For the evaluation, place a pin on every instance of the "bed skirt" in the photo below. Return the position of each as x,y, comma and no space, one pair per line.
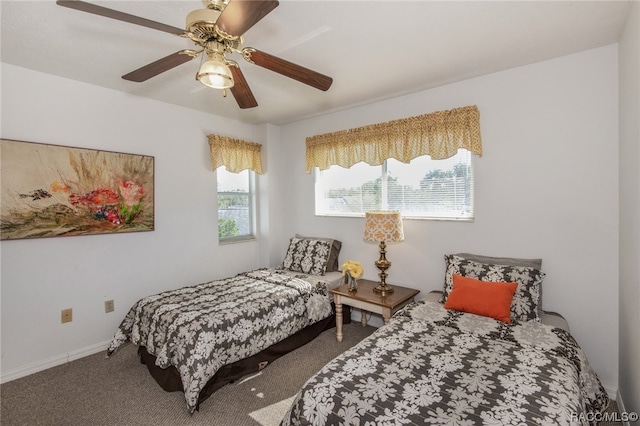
169,378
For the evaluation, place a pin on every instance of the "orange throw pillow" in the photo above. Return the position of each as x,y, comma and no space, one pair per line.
489,299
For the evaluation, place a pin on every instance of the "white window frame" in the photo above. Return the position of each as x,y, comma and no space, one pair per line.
251,195
322,210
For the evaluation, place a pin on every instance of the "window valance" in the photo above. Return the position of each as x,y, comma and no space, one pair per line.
438,135
235,154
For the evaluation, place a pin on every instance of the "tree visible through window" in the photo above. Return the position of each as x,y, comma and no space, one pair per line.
235,204
423,188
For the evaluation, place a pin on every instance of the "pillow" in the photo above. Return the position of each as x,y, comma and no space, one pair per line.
332,264
526,304
307,256
510,261
481,298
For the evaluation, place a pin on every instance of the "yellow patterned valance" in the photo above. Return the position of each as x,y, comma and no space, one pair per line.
235,154
439,135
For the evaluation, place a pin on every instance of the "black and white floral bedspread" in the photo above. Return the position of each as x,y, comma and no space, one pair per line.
199,329
434,366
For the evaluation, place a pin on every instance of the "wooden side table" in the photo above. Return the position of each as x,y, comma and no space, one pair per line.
368,301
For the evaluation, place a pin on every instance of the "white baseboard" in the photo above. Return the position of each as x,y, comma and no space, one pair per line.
37,366
621,407
612,393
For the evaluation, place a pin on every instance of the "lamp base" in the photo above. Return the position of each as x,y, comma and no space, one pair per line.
383,289
383,264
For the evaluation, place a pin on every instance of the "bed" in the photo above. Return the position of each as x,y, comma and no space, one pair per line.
196,339
449,359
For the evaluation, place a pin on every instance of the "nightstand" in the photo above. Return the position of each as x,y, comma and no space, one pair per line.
368,301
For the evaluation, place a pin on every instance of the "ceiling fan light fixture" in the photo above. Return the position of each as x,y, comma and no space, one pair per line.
215,72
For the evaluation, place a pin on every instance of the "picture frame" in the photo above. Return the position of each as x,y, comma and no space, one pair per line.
55,190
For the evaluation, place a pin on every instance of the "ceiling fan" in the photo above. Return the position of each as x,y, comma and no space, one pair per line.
216,31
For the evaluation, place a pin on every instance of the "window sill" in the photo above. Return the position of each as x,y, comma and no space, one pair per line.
409,217
236,240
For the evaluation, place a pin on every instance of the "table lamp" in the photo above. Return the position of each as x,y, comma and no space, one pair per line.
382,226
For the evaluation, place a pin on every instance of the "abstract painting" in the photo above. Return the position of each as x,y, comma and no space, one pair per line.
53,191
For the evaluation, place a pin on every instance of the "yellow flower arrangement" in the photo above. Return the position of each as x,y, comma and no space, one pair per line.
353,268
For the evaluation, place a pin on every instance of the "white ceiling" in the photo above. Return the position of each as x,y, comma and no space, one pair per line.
374,50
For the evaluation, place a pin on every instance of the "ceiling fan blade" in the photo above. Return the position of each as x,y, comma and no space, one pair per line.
288,69
121,16
240,15
159,66
241,90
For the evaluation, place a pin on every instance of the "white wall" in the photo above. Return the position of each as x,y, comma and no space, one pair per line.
630,212
546,186
40,277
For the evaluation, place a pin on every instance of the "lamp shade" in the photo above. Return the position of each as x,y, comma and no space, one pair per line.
383,225
215,72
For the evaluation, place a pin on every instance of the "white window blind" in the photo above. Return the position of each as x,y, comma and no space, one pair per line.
422,188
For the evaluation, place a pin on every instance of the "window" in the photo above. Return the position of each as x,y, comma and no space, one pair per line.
423,188
236,201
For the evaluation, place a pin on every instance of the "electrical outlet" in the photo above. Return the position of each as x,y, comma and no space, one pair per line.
66,316
108,306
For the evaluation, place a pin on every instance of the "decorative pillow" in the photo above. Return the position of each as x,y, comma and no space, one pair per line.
481,298
509,261
307,256
332,264
526,301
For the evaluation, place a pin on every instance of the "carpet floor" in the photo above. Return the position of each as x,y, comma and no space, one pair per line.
95,391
